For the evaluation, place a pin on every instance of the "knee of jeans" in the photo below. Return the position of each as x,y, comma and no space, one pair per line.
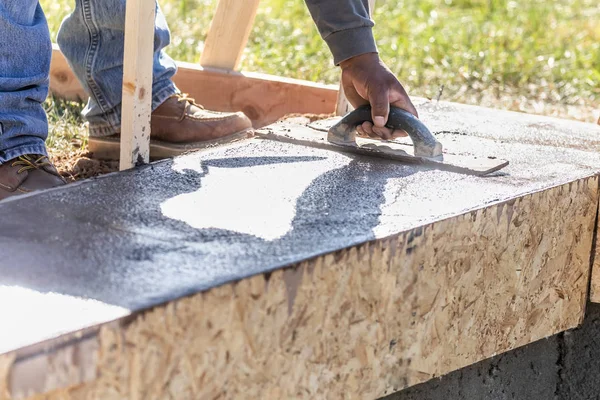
64,36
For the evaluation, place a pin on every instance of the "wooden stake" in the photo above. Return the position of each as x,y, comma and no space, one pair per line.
137,83
229,33
343,106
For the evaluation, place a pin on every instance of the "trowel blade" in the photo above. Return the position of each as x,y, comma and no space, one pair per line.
314,135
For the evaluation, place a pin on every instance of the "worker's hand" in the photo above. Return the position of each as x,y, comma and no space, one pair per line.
366,79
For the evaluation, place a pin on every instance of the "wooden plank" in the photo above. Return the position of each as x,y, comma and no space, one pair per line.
228,33
343,106
595,274
264,98
137,83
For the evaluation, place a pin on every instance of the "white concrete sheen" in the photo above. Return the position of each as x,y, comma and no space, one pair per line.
30,317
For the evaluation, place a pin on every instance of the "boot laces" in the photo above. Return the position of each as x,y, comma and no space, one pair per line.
28,162
185,98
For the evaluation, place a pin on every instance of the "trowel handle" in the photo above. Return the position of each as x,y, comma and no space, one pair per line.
424,142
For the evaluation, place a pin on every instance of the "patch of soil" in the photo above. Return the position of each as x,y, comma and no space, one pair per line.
78,165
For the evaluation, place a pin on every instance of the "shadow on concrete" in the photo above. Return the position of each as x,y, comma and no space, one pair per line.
111,242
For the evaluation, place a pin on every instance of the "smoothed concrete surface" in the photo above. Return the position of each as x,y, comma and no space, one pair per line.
141,238
562,367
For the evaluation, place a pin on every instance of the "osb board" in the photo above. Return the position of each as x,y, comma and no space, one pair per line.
70,364
595,278
366,321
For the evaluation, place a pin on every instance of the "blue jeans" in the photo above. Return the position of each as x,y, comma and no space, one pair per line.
92,40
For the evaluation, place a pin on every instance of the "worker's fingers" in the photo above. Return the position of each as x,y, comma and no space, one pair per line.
399,133
380,109
376,133
399,98
361,132
367,128
365,80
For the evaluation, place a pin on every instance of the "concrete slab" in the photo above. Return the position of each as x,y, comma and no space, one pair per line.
144,238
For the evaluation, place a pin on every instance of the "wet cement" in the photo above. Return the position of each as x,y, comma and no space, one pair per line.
141,238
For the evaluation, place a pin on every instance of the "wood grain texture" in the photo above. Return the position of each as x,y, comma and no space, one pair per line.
228,33
264,98
73,364
137,83
595,274
369,320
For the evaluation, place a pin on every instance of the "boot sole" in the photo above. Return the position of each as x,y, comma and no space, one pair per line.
109,149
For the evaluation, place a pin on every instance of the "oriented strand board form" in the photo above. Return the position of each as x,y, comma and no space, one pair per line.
271,270
595,279
263,98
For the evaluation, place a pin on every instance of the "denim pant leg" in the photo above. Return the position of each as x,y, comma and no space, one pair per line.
92,40
25,52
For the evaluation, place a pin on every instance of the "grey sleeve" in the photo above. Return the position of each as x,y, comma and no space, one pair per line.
345,26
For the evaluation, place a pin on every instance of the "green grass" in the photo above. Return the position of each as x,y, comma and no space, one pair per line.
549,49
66,125
521,54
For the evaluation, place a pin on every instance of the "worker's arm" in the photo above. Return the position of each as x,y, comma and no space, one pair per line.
347,29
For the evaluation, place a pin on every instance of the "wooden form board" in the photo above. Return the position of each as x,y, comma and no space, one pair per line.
359,323
264,98
137,83
228,33
595,275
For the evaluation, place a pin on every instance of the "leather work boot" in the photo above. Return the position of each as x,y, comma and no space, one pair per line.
27,174
180,125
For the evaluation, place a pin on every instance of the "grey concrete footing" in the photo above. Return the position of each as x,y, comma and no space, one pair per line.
562,367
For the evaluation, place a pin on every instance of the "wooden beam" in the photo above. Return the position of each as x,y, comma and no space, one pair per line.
228,33
264,98
343,106
137,83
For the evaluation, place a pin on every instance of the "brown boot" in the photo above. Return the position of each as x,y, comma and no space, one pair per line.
180,125
26,174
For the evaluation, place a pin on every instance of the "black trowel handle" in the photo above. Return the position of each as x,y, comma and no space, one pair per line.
424,142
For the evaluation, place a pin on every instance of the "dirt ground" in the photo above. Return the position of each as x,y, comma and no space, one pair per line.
78,165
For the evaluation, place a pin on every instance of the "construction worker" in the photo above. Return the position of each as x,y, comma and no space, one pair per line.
92,40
